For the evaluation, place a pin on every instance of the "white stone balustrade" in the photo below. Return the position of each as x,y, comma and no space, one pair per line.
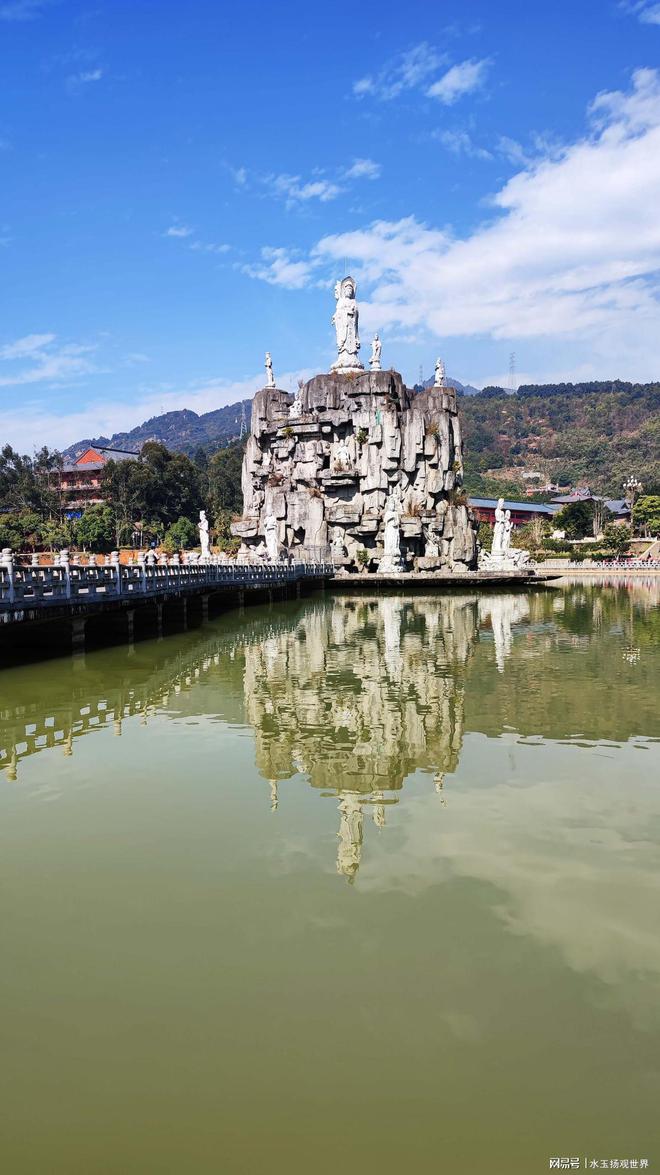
61,583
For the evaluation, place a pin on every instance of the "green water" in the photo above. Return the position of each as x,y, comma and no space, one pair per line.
352,885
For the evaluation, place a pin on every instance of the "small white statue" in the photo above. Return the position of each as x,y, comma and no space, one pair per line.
204,534
391,560
498,547
440,374
337,547
391,518
376,348
271,534
506,538
345,321
270,378
295,409
342,456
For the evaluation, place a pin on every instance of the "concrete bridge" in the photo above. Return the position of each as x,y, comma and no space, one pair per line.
116,596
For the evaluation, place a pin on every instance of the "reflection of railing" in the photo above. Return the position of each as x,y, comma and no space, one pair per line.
42,587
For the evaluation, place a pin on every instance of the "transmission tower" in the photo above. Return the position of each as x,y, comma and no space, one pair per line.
512,372
243,423
421,375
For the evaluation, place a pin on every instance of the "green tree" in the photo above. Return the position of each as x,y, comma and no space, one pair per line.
55,535
224,480
95,531
181,535
617,537
576,518
485,536
646,514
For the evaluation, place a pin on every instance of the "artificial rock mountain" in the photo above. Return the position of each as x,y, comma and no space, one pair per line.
327,463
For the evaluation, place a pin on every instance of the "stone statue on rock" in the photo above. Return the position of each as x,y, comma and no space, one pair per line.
204,535
296,408
391,561
271,534
345,321
440,374
376,348
270,378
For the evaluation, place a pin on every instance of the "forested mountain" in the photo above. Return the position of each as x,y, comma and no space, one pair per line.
593,432
183,431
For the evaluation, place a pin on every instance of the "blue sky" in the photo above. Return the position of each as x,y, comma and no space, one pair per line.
183,183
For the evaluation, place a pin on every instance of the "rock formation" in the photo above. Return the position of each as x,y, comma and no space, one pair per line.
358,447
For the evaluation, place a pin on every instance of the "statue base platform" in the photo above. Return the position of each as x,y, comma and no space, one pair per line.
348,368
391,565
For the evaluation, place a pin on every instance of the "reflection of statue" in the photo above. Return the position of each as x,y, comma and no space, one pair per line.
271,532
345,321
349,852
376,348
440,374
270,378
204,534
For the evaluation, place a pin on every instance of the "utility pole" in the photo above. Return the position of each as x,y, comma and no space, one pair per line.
513,387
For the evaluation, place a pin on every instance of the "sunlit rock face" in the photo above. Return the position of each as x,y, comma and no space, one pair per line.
329,462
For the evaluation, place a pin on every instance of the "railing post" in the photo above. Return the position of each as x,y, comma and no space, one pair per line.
142,564
66,571
8,564
114,562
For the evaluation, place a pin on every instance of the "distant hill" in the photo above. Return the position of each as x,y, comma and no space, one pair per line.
596,433
464,389
591,432
183,431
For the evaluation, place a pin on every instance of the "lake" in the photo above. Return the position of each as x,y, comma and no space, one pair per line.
358,884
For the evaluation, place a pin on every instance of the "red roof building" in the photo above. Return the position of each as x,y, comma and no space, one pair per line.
80,480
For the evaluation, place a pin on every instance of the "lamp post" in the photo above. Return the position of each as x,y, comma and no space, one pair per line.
632,488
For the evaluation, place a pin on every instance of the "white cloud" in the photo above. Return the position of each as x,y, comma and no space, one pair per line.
648,11
459,80
178,230
23,9
76,81
460,142
279,267
48,363
35,423
209,247
294,190
406,72
571,253
363,169
26,347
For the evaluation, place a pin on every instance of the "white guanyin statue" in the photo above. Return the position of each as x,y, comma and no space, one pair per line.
345,321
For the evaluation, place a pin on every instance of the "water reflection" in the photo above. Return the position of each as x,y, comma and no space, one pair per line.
361,694
358,694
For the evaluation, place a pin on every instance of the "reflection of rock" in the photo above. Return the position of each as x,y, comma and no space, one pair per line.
362,694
